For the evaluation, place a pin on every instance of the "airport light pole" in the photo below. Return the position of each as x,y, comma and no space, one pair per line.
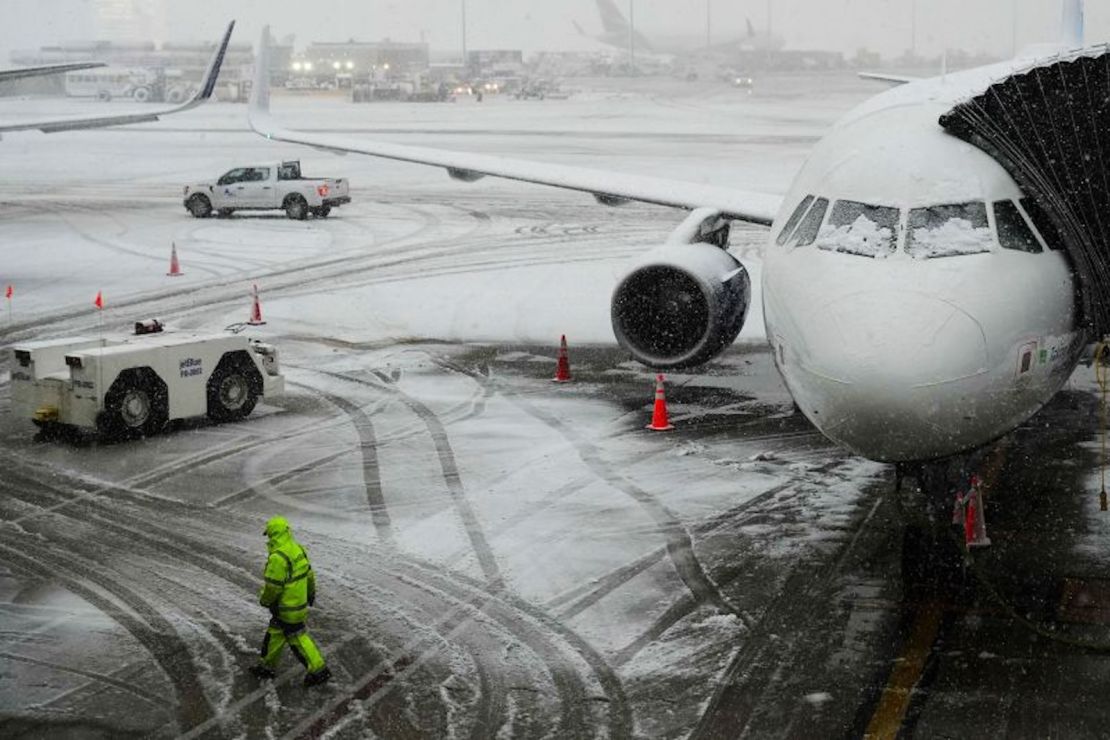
464,60
708,23
631,36
913,29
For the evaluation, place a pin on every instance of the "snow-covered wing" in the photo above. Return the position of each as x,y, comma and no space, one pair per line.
18,73
607,187
892,79
70,124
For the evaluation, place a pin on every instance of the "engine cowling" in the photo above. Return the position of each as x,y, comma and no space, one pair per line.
681,305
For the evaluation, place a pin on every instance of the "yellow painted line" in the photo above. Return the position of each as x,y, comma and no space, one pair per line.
895,700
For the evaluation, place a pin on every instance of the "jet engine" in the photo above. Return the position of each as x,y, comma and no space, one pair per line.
681,305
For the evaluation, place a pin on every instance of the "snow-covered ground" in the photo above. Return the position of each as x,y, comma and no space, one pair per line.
495,553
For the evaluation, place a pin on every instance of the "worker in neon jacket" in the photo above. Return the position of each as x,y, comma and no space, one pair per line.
289,590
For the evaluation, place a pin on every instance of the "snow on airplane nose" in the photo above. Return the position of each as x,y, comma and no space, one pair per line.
892,376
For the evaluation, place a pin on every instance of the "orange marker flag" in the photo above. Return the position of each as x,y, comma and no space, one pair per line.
99,301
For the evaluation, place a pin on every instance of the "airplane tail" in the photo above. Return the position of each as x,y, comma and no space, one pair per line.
258,110
611,18
579,28
1073,24
751,29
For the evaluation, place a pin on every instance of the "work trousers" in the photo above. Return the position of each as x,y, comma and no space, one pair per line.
279,633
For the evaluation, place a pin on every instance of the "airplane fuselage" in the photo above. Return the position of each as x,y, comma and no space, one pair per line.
918,304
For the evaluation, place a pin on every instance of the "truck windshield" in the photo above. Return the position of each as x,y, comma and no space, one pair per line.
861,229
949,231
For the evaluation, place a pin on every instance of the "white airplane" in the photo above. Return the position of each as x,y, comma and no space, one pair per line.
73,123
920,304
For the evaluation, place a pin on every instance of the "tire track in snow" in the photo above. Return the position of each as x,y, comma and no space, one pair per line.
104,678
449,469
224,290
679,545
139,619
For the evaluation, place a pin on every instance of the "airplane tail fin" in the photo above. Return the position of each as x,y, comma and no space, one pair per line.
579,28
213,70
611,18
258,111
751,29
1073,24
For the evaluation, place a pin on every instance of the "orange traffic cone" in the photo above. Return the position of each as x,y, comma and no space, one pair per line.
562,369
256,308
659,420
175,266
975,526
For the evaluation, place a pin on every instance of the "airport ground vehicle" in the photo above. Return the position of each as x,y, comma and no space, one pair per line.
121,387
142,85
267,187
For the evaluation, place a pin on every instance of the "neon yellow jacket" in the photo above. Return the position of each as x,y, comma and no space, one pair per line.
290,583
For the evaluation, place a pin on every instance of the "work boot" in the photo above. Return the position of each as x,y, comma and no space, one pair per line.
319,677
261,672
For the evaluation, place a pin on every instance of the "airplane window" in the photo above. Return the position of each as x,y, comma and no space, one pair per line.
811,225
860,229
1013,231
949,230
1040,219
795,217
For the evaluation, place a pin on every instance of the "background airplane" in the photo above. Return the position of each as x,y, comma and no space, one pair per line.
617,29
72,123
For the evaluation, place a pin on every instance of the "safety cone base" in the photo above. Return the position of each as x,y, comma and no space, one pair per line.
664,428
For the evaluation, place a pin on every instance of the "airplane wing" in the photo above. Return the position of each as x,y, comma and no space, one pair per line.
74,123
607,188
892,79
18,73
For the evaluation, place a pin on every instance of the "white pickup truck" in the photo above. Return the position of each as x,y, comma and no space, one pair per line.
267,187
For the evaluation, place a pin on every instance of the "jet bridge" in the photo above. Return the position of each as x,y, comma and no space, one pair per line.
1049,127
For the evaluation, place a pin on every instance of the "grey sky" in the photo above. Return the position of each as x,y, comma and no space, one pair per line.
845,25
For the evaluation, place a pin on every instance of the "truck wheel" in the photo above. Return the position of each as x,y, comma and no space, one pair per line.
104,96
296,207
199,206
233,389
136,405
142,94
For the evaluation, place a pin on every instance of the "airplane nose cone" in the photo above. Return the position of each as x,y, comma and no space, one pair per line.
889,375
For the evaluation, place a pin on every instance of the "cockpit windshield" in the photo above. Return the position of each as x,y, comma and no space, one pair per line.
860,229
949,230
